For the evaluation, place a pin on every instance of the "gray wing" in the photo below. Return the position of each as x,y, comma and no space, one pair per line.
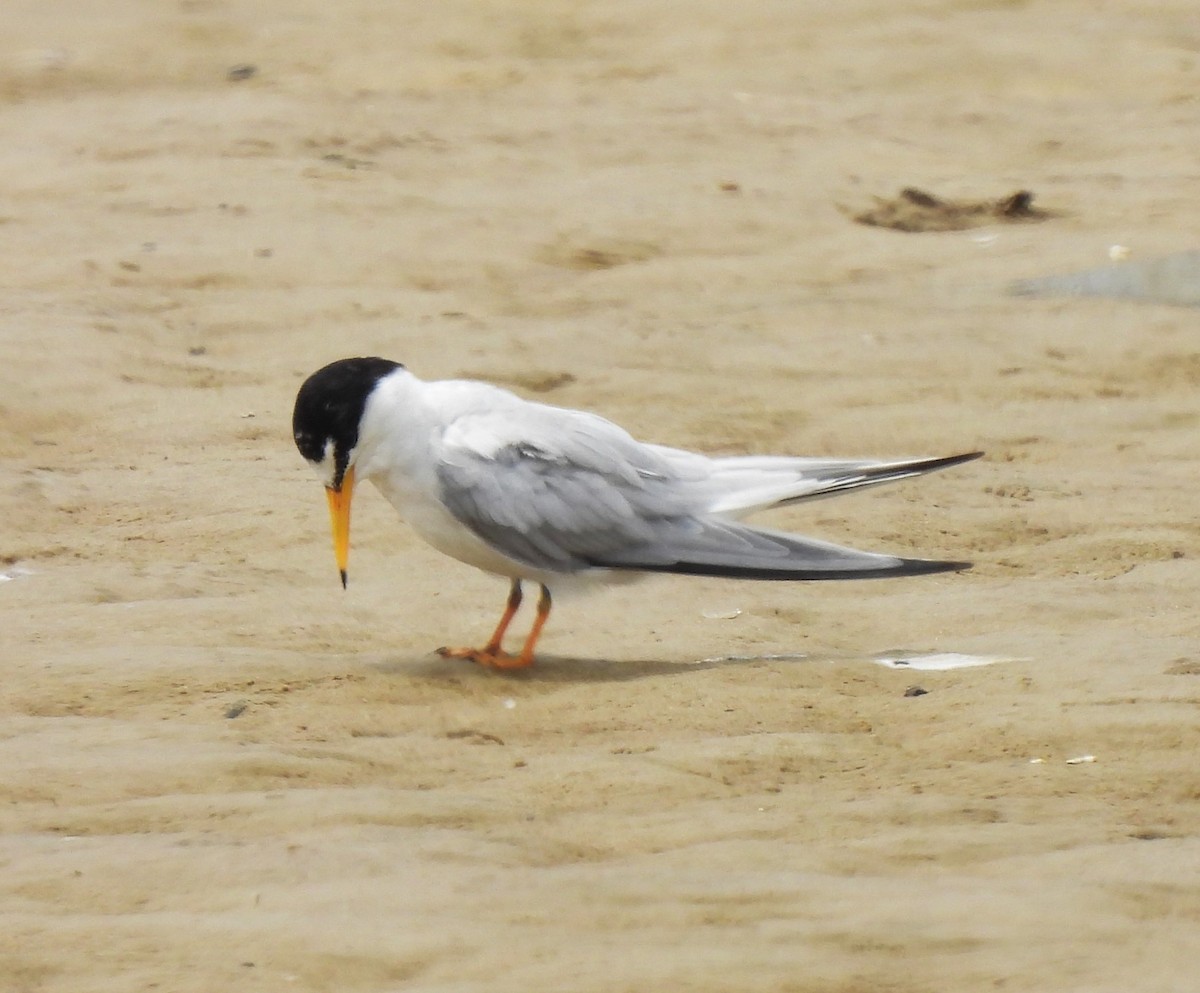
566,506
715,546
594,499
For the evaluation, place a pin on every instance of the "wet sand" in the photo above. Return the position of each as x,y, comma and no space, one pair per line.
222,772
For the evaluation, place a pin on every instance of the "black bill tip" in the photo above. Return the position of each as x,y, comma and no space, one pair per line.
342,573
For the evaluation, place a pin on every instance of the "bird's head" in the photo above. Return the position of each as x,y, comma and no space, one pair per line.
325,424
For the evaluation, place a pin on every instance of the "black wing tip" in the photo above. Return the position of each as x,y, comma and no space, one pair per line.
925,567
903,567
945,462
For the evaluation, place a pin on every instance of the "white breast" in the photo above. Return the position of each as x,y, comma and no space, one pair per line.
399,444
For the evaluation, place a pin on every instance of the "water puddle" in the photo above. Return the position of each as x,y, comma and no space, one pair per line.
916,661
1171,279
938,661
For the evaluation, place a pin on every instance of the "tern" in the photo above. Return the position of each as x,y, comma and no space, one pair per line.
532,492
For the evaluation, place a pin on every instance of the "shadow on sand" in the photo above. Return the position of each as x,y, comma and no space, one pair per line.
563,669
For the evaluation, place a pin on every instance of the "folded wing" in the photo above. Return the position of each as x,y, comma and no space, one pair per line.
582,496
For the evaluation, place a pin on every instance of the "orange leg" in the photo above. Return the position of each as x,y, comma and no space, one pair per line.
539,622
491,654
510,611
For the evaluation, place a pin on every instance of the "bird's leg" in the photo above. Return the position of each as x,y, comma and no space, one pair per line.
491,653
510,611
539,622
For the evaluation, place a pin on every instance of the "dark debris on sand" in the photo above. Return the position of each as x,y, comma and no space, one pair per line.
917,210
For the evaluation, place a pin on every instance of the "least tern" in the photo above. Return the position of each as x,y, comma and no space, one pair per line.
555,496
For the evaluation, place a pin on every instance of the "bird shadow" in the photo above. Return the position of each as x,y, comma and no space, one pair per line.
567,669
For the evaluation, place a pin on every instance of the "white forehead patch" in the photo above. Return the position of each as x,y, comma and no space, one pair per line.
326,468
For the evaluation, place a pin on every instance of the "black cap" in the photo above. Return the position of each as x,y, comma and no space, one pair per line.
329,407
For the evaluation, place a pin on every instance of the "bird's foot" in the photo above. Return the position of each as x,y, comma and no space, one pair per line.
490,658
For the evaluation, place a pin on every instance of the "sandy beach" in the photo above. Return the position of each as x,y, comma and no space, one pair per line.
219,771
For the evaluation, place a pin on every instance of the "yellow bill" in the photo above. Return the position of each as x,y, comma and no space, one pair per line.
339,520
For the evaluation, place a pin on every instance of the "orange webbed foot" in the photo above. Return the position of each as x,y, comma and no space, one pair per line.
488,657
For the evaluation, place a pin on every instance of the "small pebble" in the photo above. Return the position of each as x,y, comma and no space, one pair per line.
916,691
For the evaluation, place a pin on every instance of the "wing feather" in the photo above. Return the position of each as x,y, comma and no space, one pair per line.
587,495
584,490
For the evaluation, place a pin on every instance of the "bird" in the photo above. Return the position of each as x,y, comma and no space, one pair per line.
560,497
